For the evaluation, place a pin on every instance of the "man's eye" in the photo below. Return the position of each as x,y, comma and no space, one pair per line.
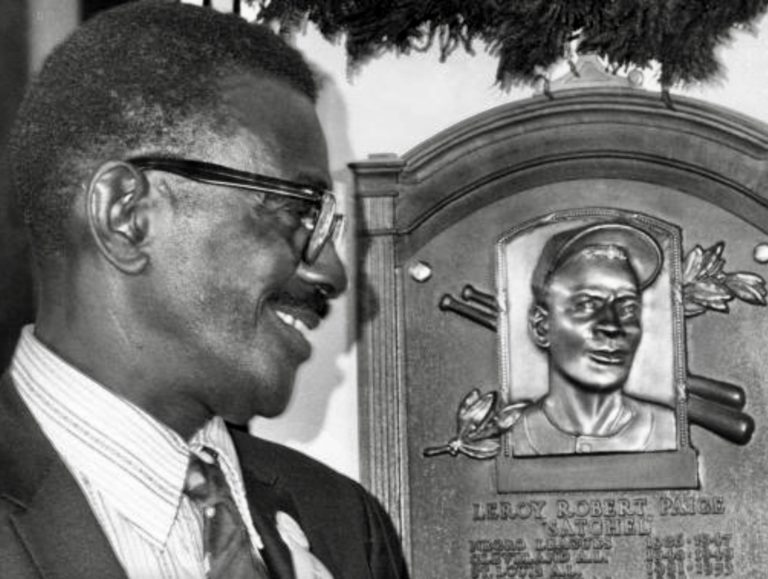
585,305
293,212
628,309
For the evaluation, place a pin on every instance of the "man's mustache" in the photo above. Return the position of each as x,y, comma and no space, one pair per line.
313,300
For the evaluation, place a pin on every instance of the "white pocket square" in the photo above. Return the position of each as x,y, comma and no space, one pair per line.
305,564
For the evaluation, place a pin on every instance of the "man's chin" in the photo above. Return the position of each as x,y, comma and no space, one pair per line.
264,408
606,378
276,404
240,422
603,382
272,411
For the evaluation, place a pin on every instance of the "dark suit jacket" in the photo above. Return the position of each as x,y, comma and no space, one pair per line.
47,529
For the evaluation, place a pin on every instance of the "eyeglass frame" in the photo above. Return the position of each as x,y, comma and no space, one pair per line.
326,223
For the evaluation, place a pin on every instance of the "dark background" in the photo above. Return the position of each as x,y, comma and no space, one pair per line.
16,293
15,279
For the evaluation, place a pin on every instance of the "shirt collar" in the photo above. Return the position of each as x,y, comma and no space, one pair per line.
137,463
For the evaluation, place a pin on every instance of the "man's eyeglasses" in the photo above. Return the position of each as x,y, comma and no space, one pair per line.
323,222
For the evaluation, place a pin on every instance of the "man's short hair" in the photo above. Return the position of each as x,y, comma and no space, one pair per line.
139,78
609,239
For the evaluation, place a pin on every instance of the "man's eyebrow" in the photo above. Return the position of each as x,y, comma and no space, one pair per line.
627,293
581,294
590,290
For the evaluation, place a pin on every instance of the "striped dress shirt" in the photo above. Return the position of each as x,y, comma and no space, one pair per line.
130,467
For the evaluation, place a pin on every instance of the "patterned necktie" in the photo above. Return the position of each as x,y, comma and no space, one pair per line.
228,550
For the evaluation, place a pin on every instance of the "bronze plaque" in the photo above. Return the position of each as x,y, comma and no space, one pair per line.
564,341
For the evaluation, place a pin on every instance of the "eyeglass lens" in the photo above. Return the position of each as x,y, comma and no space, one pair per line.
327,224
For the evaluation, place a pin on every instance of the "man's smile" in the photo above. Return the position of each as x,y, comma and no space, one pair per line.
299,314
302,320
611,357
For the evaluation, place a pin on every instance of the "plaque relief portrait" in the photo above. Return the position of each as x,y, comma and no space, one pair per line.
586,319
591,349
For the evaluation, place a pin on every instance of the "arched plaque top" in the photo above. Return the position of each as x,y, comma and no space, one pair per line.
607,132
570,107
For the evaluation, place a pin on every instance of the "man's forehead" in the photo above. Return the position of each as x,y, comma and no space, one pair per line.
272,128
247,96
594,270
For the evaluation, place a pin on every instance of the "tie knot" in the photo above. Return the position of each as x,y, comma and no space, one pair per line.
227,546
205,481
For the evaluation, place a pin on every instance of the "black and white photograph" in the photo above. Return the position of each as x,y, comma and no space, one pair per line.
311,289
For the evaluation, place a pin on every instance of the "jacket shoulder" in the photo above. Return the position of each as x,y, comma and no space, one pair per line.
291,466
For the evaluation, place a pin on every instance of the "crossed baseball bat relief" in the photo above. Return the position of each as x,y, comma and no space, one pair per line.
712,404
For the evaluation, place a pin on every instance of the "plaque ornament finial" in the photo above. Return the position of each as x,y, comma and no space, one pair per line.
480,421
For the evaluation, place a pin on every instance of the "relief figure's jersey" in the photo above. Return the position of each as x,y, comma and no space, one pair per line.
640,426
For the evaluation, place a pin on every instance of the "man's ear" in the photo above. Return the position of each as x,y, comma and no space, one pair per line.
117,214
538,326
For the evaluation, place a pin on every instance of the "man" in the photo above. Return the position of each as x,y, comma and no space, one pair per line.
587,316
173,175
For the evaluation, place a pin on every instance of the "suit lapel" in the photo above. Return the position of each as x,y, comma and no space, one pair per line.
264,501
61,533
267,494
51,516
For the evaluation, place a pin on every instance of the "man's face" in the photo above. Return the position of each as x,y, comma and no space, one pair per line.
594,322
235,301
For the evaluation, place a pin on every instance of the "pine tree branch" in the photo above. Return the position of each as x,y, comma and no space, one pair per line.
530,36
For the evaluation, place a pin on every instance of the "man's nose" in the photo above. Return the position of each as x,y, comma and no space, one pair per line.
326,273
609,322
